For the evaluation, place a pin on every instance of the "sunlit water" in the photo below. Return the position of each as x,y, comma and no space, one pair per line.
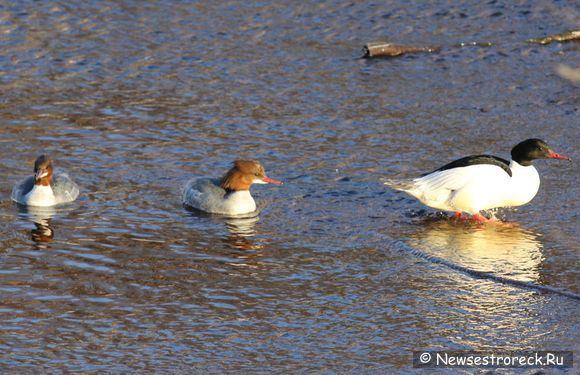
134,98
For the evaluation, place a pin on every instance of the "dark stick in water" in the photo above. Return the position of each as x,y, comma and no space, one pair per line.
391,50
384,49
568,36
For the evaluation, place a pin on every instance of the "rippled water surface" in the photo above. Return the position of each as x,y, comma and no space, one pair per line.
134,98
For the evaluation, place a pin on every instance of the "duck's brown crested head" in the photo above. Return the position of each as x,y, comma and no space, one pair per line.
243,174
43,170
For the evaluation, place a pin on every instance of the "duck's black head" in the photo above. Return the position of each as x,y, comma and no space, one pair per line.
531,149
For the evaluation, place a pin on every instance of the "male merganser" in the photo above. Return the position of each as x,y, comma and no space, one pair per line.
39,190
481,182
229,195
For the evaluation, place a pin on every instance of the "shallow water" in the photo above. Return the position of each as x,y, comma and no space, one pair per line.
134,99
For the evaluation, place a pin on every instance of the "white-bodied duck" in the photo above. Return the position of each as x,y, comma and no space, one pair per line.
481,182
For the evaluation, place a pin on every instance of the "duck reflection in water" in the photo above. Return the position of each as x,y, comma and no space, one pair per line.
41,217
504,250
241,229
472,303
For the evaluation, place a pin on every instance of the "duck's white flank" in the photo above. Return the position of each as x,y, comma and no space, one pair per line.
205,194
476,187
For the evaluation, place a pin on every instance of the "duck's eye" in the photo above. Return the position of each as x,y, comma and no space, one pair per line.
257,174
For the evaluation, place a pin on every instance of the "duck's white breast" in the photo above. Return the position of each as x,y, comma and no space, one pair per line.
239,202
524,185
41,196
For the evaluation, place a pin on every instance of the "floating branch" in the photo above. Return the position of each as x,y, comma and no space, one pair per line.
381,49
384,49
568,36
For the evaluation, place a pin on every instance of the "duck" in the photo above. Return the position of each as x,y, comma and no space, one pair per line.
481,182
230,194
45,188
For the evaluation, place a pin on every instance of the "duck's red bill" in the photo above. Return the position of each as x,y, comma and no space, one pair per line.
40,174
554,155
271,181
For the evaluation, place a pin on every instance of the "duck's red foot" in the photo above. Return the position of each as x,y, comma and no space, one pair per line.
479,217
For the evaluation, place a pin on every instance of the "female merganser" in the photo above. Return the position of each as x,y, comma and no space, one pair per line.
229,195
39,190
481,182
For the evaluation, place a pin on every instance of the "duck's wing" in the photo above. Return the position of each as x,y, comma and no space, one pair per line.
198,192
476,160
440,184
64,188
21,189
